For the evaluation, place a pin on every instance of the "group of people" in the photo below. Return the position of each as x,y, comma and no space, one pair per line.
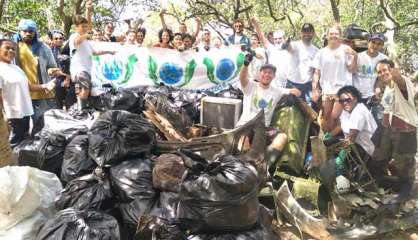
345,85
36,76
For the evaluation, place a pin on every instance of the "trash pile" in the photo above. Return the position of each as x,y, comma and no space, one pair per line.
100,176
134,166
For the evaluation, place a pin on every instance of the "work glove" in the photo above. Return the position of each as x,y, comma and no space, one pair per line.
248,59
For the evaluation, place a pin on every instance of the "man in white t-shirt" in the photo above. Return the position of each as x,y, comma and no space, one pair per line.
397,144
365,77
262,96
81,53
277,56
303,52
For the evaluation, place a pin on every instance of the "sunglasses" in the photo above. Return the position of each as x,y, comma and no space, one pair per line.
27,31
345,100
239,26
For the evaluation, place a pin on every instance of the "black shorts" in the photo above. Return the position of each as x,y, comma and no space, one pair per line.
82,80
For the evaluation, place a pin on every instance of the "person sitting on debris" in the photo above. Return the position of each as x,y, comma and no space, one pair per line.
358,126
356,121
398,137
259,96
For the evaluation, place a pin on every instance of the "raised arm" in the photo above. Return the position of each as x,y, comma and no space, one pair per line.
162,13
398,79
315,85
198,27
352,67
243,74
260,33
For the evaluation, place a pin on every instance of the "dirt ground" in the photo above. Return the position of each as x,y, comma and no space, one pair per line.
290,233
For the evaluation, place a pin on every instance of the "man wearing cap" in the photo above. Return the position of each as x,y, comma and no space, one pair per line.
239,38
262,95
365,77
302,54
36,60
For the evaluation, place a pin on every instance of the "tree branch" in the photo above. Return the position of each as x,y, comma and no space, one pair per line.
383,6
272,14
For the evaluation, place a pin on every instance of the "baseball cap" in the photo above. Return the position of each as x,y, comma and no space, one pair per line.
268,66
377,36
307,27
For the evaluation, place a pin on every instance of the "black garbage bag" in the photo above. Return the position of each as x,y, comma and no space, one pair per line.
151,227
76,159
257,233
69,123
45,151
121,99
168,171
167,206
91,191
190,102
132,179
131,212
262,230
218,196
71,224
116,135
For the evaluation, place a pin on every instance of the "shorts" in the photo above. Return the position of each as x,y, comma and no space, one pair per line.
82,80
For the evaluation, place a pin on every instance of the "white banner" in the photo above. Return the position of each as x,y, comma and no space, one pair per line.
132,66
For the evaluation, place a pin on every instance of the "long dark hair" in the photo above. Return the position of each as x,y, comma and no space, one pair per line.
160,34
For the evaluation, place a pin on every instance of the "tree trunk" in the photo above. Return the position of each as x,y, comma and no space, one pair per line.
335,10
3,4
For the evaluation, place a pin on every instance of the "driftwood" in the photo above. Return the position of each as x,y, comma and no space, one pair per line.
163,124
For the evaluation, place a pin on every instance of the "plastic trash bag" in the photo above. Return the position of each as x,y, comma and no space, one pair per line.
132,180
119,134
91,191
262,230
68,123
71,224
121,99
218,196
151,227
25,229
168,171
45,151
23,190
76,161
167,206
256,233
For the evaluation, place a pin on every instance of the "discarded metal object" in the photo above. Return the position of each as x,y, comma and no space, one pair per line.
225,142
299,217
291,121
